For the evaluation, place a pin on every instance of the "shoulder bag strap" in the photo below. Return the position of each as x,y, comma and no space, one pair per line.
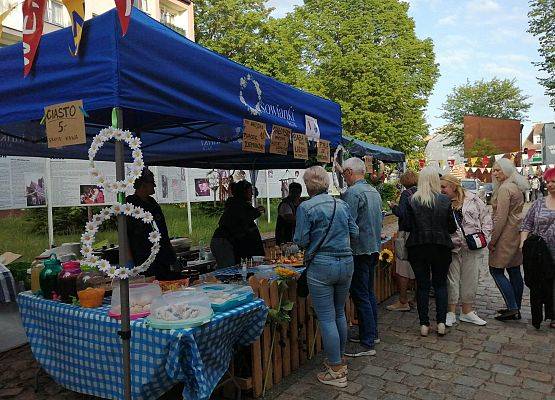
308,260
457,222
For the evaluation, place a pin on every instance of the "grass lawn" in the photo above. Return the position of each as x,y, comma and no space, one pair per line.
19,236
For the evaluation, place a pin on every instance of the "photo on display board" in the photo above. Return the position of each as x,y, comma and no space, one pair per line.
202,187
91,194
35,192
164,187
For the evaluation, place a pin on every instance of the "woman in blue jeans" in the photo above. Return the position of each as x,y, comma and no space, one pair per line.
324,228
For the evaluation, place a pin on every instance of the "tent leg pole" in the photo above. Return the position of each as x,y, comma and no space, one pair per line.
268,198
125,332
49,208
189,218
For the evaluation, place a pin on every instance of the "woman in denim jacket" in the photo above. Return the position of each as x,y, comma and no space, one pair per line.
330,271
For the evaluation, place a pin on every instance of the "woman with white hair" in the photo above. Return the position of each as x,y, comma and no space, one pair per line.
430,223
325,229
504,247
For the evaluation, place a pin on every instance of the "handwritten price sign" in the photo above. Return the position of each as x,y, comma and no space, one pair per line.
65,124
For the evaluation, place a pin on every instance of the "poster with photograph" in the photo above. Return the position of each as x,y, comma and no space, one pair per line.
202,187
170,184
35,189
91,194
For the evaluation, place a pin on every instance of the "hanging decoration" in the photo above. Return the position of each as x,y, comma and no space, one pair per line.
76,10
133,172
485,161
124,8
33,23
451,162
92,227
421,163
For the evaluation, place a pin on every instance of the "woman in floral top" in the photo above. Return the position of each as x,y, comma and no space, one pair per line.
540,221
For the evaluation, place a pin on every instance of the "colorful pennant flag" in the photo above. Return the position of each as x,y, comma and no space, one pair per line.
519,169
467,169
488,169
451,162
498,157
482,170
76,10
543,168
124,12
485,161
422,163
441,163
551,165
473,169
531,152
5,14
33,23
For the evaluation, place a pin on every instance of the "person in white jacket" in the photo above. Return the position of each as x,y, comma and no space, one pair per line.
472,215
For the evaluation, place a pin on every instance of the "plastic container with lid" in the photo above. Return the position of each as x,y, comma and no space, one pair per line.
67,280
182,309
140,299
224,297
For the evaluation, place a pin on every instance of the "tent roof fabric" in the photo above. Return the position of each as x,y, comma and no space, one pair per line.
359,148
186,102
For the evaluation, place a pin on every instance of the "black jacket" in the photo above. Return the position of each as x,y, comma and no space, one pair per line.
431,225
401,210
237,225
537,262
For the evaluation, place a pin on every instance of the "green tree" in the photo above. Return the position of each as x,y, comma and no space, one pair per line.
237,29
498,98
365,55
483,147
542,25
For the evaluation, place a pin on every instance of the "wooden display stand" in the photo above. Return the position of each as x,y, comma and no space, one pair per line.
297,342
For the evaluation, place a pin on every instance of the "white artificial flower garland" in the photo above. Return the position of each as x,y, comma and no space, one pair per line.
91,228
136,168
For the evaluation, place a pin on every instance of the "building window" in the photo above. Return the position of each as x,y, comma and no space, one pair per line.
55,13
143,5
167,17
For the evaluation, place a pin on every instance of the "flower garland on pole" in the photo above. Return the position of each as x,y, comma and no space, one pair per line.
92,227
133,172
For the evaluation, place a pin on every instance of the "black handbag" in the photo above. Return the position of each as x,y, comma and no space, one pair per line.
302,283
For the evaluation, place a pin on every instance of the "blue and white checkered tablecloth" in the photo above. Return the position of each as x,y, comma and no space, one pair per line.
81,350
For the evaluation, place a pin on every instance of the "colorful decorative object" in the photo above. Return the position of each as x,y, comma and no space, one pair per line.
91,228
33,23
124,12
134,171
76,10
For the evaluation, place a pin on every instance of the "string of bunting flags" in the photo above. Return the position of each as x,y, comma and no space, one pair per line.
33,24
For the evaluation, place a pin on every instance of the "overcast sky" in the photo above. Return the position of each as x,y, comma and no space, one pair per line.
474,39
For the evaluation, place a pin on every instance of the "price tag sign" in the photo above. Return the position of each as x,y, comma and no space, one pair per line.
65,124
368,163
300,146
323,155
254,136
279,143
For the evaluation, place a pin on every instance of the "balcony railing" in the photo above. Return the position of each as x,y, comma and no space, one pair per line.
179,30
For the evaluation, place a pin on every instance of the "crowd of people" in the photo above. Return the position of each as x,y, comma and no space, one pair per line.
445,233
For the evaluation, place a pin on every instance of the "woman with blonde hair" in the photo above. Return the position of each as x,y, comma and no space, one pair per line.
430,223
474,227
505,253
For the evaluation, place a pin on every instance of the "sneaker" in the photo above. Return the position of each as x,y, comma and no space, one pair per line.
398,306
441,329
333,378
358,350
472,318
424,330
355,338
509,315
377,340
451,319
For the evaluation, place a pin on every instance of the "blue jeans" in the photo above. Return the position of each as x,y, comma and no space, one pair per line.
328,281
362,293
511,289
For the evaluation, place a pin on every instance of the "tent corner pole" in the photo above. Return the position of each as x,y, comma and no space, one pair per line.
125,332
268,198
188,197
49,208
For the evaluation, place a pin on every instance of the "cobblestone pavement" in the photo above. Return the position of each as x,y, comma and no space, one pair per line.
510,360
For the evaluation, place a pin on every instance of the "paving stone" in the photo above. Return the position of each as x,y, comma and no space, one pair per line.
417,381
398,388
423,362
425,394
465,361
508,379
442,374
464,391
536,375
352,388
503,369
322,392
477,373
468,381
369,393
486,395
537,386
394,376
411,369
528,394
500,389
394,396
373,370
372,381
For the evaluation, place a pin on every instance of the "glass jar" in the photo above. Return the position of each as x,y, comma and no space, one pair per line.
89,279
67,281
48,278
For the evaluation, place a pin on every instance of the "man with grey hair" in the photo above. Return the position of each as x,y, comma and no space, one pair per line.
366,208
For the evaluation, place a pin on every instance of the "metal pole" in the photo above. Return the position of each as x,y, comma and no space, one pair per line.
188,202
49,204
125,332
267,197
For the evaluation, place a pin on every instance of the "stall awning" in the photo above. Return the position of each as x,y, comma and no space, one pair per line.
359,148
186,102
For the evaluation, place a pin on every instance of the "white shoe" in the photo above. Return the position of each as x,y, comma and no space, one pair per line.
472,318
451,319
441,329
424,329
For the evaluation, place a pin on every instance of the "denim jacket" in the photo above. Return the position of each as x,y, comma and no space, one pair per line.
313,218
366,208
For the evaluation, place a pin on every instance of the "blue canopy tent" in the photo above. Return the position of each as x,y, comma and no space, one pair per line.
359,148
186,102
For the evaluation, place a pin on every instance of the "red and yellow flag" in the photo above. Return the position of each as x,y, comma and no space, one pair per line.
33,23
124,12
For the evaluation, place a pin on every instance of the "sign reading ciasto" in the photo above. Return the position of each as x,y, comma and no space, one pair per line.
257,106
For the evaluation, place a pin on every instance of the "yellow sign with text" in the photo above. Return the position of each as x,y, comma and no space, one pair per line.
323,154
300,146
254,136
65,124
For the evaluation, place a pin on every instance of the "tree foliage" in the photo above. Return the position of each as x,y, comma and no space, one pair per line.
483,147
497,98
542,25
363,54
